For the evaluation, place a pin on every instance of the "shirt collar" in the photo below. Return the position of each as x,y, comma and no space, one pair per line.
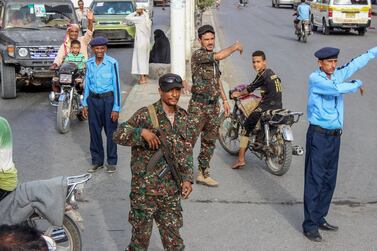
323,74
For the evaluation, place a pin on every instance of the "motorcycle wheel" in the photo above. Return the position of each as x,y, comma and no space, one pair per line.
63,120
67,237
305,38
280,164
229,134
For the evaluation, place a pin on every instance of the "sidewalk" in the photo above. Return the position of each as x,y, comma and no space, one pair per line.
143,95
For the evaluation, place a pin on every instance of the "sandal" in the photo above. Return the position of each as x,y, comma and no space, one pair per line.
238,165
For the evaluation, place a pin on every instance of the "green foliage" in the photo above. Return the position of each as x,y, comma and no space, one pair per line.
204,4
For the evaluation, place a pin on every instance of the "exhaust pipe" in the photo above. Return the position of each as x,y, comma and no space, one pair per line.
297,150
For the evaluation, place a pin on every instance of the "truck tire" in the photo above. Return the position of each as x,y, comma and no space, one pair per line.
361,31
8,81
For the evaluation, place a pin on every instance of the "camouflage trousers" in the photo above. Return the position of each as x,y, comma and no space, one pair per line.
166,211
204,121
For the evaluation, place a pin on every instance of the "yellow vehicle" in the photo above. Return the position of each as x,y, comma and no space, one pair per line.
341,14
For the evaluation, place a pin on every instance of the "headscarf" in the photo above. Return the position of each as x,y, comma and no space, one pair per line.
8,172
67,40
160,52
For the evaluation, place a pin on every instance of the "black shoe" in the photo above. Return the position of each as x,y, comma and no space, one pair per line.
95,168
110,168
328,227
313,236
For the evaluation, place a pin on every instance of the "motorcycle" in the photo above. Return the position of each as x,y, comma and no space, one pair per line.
303,30
68,100
41,209
272,138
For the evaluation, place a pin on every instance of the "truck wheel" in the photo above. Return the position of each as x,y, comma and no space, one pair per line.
325,28
314,27
8,81
361,31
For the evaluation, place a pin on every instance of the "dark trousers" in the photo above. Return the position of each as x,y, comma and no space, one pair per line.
321,167
252,121
100,117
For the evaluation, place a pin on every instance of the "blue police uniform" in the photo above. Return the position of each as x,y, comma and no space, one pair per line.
102,96
325,115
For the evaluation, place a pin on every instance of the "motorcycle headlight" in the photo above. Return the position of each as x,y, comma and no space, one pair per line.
23,52
65,78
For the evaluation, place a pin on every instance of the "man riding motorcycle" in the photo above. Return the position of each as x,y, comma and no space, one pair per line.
271,92
302,14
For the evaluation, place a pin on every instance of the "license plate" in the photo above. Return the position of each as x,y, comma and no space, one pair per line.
65,78
350,15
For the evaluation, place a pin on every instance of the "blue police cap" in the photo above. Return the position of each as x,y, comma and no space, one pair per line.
98,41
327,53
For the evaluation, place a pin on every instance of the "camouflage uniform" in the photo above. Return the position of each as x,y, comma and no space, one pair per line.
204,108
153,197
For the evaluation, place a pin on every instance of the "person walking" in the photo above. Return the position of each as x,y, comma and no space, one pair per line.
156,194
325,115
140,57
101,104
160,53
204,108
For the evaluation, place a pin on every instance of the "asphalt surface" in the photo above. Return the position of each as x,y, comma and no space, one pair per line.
251,209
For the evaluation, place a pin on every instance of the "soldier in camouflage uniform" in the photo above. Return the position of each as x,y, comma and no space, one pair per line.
153,197
204,108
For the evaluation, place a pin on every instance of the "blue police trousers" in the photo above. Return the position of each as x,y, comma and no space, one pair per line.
99,117
321,167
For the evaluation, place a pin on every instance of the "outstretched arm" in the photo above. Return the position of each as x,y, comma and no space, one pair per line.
237,46
346,71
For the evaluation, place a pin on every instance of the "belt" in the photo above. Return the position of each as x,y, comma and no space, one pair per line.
101,95
330,132
204,99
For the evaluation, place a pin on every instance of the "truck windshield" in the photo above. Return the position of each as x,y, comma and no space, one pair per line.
113,8
37,15
351,2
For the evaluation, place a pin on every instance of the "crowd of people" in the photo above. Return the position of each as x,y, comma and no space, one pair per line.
162,135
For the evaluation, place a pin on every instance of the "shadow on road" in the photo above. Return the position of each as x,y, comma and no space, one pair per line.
267,186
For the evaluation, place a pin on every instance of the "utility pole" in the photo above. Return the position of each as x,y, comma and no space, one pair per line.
178,41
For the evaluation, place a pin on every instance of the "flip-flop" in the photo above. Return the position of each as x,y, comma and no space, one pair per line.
238,166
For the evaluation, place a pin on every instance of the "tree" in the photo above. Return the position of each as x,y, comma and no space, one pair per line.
201,6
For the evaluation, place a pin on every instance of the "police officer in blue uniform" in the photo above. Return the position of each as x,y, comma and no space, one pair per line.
101,104
325,115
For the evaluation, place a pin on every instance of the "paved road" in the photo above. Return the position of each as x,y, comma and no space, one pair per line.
251,209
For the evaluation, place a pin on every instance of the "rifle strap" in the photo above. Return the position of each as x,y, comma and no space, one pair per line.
153,116
157,155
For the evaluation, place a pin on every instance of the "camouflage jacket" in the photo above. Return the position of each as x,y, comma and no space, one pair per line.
205,73
129,134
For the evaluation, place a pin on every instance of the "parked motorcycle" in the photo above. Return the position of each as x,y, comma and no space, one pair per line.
44,202
70,81
303,30
272,138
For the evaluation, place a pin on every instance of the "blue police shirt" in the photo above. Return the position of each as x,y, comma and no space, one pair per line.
325,96
102,78
303,11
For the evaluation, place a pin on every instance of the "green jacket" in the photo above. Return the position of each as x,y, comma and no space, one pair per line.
79,60
8,172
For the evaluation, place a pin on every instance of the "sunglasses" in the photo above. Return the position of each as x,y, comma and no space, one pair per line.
172,79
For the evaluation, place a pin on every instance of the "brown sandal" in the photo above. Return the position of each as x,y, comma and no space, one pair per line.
239,165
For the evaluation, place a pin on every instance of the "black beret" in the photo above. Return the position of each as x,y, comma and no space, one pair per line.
98,41
204,29
327,53
170,81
